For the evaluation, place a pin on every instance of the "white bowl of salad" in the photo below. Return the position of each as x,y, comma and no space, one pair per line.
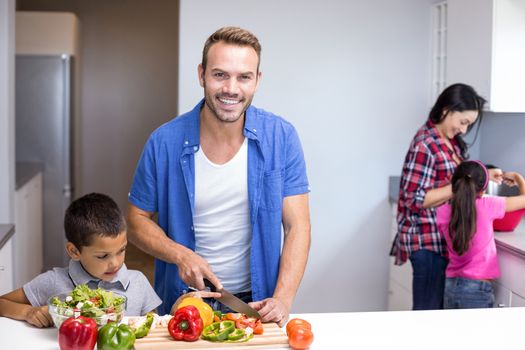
98,304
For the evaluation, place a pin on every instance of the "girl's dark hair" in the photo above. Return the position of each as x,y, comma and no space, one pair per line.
90,215
458,98
468,180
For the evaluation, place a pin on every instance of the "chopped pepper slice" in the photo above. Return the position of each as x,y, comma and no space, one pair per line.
233,316
218,331
236,334
217,316
245,338
143,330
186,324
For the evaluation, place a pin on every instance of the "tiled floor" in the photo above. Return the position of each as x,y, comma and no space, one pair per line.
136,259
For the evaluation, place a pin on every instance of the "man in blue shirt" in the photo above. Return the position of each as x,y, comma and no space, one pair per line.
229,184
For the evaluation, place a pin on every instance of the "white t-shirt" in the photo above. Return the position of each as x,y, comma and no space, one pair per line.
222,218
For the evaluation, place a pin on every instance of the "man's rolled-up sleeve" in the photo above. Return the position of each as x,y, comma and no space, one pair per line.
295,180
143,193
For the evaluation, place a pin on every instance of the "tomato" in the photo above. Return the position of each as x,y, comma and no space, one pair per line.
243,323
300,337
259,329
95,300
295,322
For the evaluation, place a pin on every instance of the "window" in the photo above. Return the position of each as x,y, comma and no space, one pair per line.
439,48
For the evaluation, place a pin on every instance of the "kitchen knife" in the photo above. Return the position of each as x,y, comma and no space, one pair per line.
232,301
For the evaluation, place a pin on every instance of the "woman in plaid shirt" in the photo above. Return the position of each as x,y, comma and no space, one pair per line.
435,152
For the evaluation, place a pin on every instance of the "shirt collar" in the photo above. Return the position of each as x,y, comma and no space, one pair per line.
80,276
252,124
433,131
192,138
435,134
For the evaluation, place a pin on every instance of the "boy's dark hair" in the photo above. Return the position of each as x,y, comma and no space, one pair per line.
92,214
469,179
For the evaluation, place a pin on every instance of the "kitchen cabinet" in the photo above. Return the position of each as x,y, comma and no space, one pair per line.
486,49
511,286
399,297
509,289
28,238
400,279
517,300
6,267
502,295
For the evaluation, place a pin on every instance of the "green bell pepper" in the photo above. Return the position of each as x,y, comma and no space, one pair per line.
115,337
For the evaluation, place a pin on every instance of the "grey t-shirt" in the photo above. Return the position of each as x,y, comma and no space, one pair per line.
141,298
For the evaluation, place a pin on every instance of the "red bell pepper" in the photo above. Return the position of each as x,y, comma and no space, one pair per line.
186,324
77,334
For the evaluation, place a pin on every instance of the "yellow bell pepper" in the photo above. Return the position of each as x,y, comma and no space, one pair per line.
205,310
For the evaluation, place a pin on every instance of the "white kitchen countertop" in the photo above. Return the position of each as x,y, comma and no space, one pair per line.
499,328
514,241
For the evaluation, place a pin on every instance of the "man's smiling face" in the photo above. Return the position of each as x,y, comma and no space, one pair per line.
230,80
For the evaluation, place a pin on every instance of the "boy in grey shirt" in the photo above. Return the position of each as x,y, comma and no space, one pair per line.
96,233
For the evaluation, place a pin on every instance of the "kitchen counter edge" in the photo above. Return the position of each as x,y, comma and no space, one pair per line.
6,232
25,171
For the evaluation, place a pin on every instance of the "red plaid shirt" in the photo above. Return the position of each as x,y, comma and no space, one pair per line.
428,165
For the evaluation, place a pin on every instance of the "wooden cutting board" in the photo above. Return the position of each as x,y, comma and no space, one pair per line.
160,339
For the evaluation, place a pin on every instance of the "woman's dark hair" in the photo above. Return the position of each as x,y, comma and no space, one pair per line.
90,215
469,179
458,98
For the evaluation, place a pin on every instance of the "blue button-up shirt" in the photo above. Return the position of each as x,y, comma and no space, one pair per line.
164,182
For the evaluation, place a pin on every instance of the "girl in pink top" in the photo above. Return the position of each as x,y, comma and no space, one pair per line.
466,225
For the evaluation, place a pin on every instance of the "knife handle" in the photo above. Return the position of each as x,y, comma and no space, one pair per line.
210,285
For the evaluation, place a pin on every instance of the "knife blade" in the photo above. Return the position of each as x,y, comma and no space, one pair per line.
232,301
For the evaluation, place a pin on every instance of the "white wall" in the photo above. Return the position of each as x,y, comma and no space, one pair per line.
503,141
7,110
354,78
127,82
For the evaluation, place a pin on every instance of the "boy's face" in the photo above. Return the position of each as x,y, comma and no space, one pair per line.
103,258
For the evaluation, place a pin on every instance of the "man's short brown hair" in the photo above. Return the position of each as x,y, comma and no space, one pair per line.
235,36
